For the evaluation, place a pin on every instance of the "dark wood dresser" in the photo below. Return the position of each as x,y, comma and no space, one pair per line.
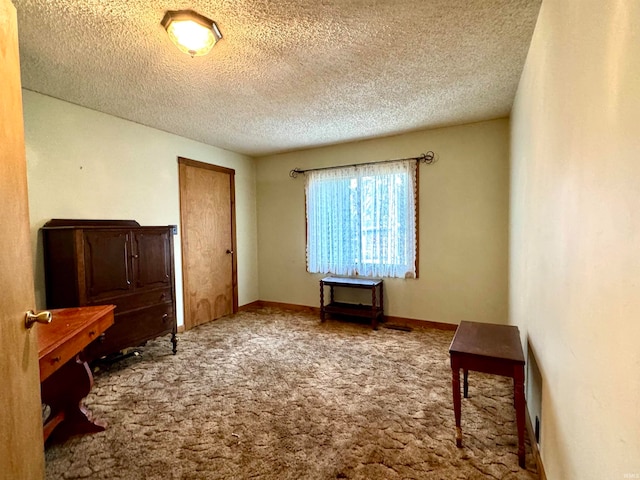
97,262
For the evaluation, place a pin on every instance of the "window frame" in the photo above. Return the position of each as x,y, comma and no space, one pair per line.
416,199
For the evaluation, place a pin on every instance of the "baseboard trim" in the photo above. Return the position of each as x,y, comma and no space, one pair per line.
415,323
400,321
284,306
250,306
534,447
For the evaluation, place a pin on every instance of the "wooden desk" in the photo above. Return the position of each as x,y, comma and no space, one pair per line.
65,378
374,311
494,349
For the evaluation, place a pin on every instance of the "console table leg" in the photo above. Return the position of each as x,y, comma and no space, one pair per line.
322,301
374,310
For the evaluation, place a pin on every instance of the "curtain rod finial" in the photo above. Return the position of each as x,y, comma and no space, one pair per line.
427,158
294,173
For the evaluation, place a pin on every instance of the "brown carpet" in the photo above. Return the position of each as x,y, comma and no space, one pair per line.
274,394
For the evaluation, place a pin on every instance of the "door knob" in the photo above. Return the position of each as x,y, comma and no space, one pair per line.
229,252
31,318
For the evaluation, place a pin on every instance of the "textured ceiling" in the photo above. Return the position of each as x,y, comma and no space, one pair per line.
288,74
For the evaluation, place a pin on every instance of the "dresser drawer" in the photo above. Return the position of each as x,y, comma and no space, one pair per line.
143,325
136,301
134,328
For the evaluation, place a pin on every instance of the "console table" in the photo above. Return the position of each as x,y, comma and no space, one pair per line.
65,378
494,349
375,311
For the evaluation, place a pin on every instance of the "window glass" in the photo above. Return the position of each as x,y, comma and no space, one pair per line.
362,220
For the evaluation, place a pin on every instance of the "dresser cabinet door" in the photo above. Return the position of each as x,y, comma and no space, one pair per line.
107,258
152,258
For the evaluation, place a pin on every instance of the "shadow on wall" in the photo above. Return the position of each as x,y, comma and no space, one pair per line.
534,391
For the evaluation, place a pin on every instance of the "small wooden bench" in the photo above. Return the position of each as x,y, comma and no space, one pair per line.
494,349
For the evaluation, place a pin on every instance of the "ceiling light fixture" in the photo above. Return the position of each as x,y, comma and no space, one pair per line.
192,33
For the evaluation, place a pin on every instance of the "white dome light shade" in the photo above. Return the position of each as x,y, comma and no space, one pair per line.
191,32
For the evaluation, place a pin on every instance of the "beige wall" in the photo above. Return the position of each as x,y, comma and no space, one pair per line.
86,164
575,234
463,223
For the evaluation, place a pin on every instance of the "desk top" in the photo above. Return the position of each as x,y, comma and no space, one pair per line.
65,323
352,282
488,340
70,331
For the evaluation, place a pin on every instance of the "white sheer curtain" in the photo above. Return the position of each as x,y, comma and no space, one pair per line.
362,220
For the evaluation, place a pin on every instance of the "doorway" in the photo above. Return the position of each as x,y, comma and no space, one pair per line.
208,234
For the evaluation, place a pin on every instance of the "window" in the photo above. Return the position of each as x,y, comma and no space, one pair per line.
362,220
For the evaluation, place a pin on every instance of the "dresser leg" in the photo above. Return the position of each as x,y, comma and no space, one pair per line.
174,341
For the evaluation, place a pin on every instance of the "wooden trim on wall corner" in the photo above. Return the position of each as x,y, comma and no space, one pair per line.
206,166
534,447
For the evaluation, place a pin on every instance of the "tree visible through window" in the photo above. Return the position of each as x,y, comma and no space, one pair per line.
362,220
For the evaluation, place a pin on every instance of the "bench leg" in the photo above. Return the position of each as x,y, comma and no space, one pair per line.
457,401
465,386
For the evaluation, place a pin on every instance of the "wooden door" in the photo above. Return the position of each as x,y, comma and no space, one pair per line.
21,447
207,215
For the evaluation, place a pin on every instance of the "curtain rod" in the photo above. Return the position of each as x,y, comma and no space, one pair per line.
427,158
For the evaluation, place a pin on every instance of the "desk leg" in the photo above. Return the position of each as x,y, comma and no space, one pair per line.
518,378
63,391
457,402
